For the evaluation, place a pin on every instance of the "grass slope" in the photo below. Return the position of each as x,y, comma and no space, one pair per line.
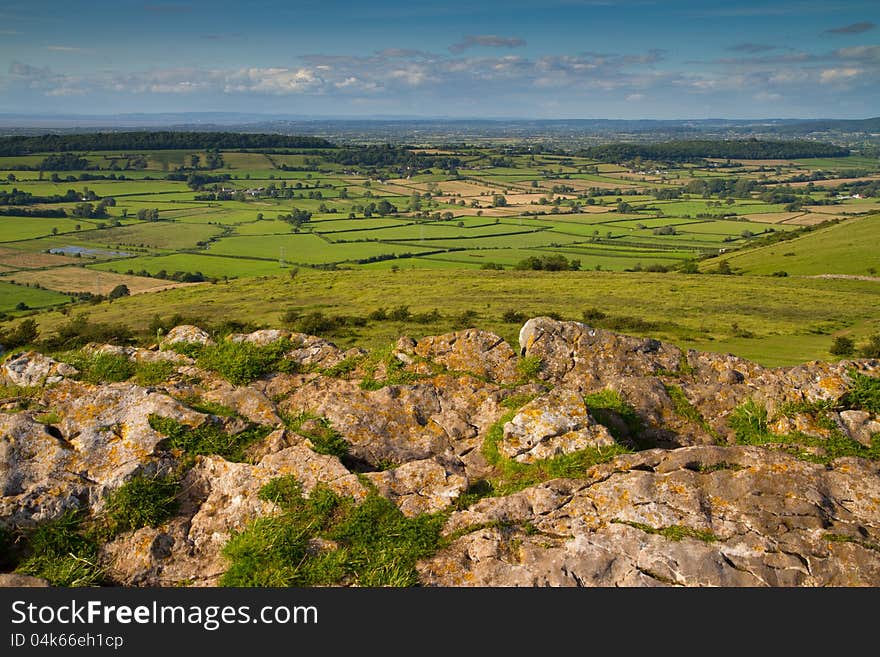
790,320
849,247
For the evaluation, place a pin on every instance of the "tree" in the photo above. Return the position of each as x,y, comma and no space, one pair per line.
499,201
120,290
842,346
194,161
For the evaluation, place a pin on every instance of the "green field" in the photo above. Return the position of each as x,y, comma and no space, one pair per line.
210,266
850,248
12,295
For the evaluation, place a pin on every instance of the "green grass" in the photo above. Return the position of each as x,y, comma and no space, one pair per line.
673,532
141,502
778,312
374,544
208,438
324,438
864,392
101,367
12,295
241,363
845,248
63,551
209,266
153,373
606,406
750,424
684,409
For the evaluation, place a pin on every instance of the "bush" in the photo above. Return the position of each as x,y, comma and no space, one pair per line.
79,331
120,290
465,319
400,314
529,367
871,349
25,333
513,316
864,393
593,315
842,346
141,502
153,373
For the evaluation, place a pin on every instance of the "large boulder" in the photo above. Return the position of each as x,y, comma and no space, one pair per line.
187,334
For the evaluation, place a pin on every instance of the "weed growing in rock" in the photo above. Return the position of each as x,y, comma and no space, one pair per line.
395,371
141,502
864,392
684,409
529,367
327,539
750,423
621,419
673,532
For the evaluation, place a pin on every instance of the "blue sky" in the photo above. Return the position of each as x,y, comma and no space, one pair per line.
552,59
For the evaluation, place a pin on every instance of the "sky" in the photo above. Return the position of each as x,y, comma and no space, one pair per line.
632,59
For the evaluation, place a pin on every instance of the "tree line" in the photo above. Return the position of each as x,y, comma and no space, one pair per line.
698,149
145,140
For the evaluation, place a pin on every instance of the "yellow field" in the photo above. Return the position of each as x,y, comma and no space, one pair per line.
79,279
774,217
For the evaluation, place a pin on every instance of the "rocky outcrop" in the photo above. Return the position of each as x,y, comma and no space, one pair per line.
186,333
31,369
480,353
697,516
686,505
556,423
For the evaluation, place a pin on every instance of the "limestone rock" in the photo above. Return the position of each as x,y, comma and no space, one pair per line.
401,423
16,580
860,426
261,338
30,369
478,352
696,516
556,423
186,333
583,357
317,353
424,486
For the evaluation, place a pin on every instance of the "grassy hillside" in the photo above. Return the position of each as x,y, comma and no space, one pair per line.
850,247
772,320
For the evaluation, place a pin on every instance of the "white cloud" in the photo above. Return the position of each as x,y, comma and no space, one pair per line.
634,98
837,75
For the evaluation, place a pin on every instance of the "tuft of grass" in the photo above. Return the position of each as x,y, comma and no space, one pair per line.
843,538
606,406
517,401
395,371
343,368
102,368
208,438
141,502
324,438
153,373
864,393
790,409
63,551
673,532
529,367
684,409
750,425
241,363
204,406
367,544
49,417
